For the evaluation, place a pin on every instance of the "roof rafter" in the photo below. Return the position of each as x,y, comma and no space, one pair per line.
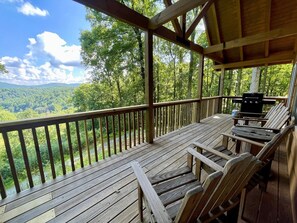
257,38
125,14
283,57
198,18
173,11
175,22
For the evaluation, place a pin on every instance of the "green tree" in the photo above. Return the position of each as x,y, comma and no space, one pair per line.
3,69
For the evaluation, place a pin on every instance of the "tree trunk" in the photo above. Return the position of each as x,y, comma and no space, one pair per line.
254,87
238,82
191,69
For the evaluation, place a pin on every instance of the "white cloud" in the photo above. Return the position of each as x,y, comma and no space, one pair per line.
11,1
28,9
49,60
56,48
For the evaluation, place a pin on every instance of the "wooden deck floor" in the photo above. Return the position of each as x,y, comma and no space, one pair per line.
106,191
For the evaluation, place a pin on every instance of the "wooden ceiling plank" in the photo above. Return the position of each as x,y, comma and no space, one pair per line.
253,39
283,57
240,28
175,22
173,11
198,18
267,25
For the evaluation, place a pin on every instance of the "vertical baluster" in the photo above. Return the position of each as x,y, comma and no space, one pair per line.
125,131
25,157
50,151
70,146
79,145
11,162
134,128
166,119
138,124
107,133
163,120
87,141
102,138
114,135
94,139
169,119
156,122
173,117
129,122
179,116
2,188
160,120
142,125
37,150
120,131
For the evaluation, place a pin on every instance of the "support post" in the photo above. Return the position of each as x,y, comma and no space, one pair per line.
200,86
221,90
149,86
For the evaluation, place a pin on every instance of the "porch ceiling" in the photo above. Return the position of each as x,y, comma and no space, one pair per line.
241,33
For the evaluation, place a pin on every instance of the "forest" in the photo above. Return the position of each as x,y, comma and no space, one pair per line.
113,52
20,102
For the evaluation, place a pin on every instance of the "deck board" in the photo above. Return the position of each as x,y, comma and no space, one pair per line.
107,191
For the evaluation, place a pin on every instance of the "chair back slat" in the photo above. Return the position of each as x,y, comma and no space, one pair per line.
230,173
188,210
268,150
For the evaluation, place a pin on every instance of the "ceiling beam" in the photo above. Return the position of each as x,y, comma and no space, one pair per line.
253,39
127,15
198,18
173,11
175,22
283,57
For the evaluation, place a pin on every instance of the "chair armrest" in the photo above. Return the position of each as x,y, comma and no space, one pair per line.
251,113
205,160
211,150
258,127
158,209
244,139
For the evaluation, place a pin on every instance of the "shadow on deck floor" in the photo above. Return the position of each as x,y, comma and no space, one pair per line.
106,191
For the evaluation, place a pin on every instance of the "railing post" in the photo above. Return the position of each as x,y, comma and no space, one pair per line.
149,86
200,86
221,90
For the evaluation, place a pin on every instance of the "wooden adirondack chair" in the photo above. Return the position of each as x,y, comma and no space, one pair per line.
221,153
274,120
248,117
182,196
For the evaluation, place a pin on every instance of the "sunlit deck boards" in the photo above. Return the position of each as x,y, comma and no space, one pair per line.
106,191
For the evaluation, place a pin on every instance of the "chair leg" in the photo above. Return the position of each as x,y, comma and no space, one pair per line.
265,172
140,203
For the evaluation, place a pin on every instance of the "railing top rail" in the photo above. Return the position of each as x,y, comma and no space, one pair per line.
168,103
37,122
210,98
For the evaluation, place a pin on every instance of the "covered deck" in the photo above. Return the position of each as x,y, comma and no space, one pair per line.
107,191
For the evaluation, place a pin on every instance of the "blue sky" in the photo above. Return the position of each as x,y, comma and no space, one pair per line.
39,41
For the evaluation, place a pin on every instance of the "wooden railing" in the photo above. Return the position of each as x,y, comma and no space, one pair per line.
38,150
228,106
169,116
65,143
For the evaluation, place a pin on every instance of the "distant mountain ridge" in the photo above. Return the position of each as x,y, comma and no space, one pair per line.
12,86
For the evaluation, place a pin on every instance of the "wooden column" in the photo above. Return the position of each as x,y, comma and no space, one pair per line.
200,86
149,86
221,89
